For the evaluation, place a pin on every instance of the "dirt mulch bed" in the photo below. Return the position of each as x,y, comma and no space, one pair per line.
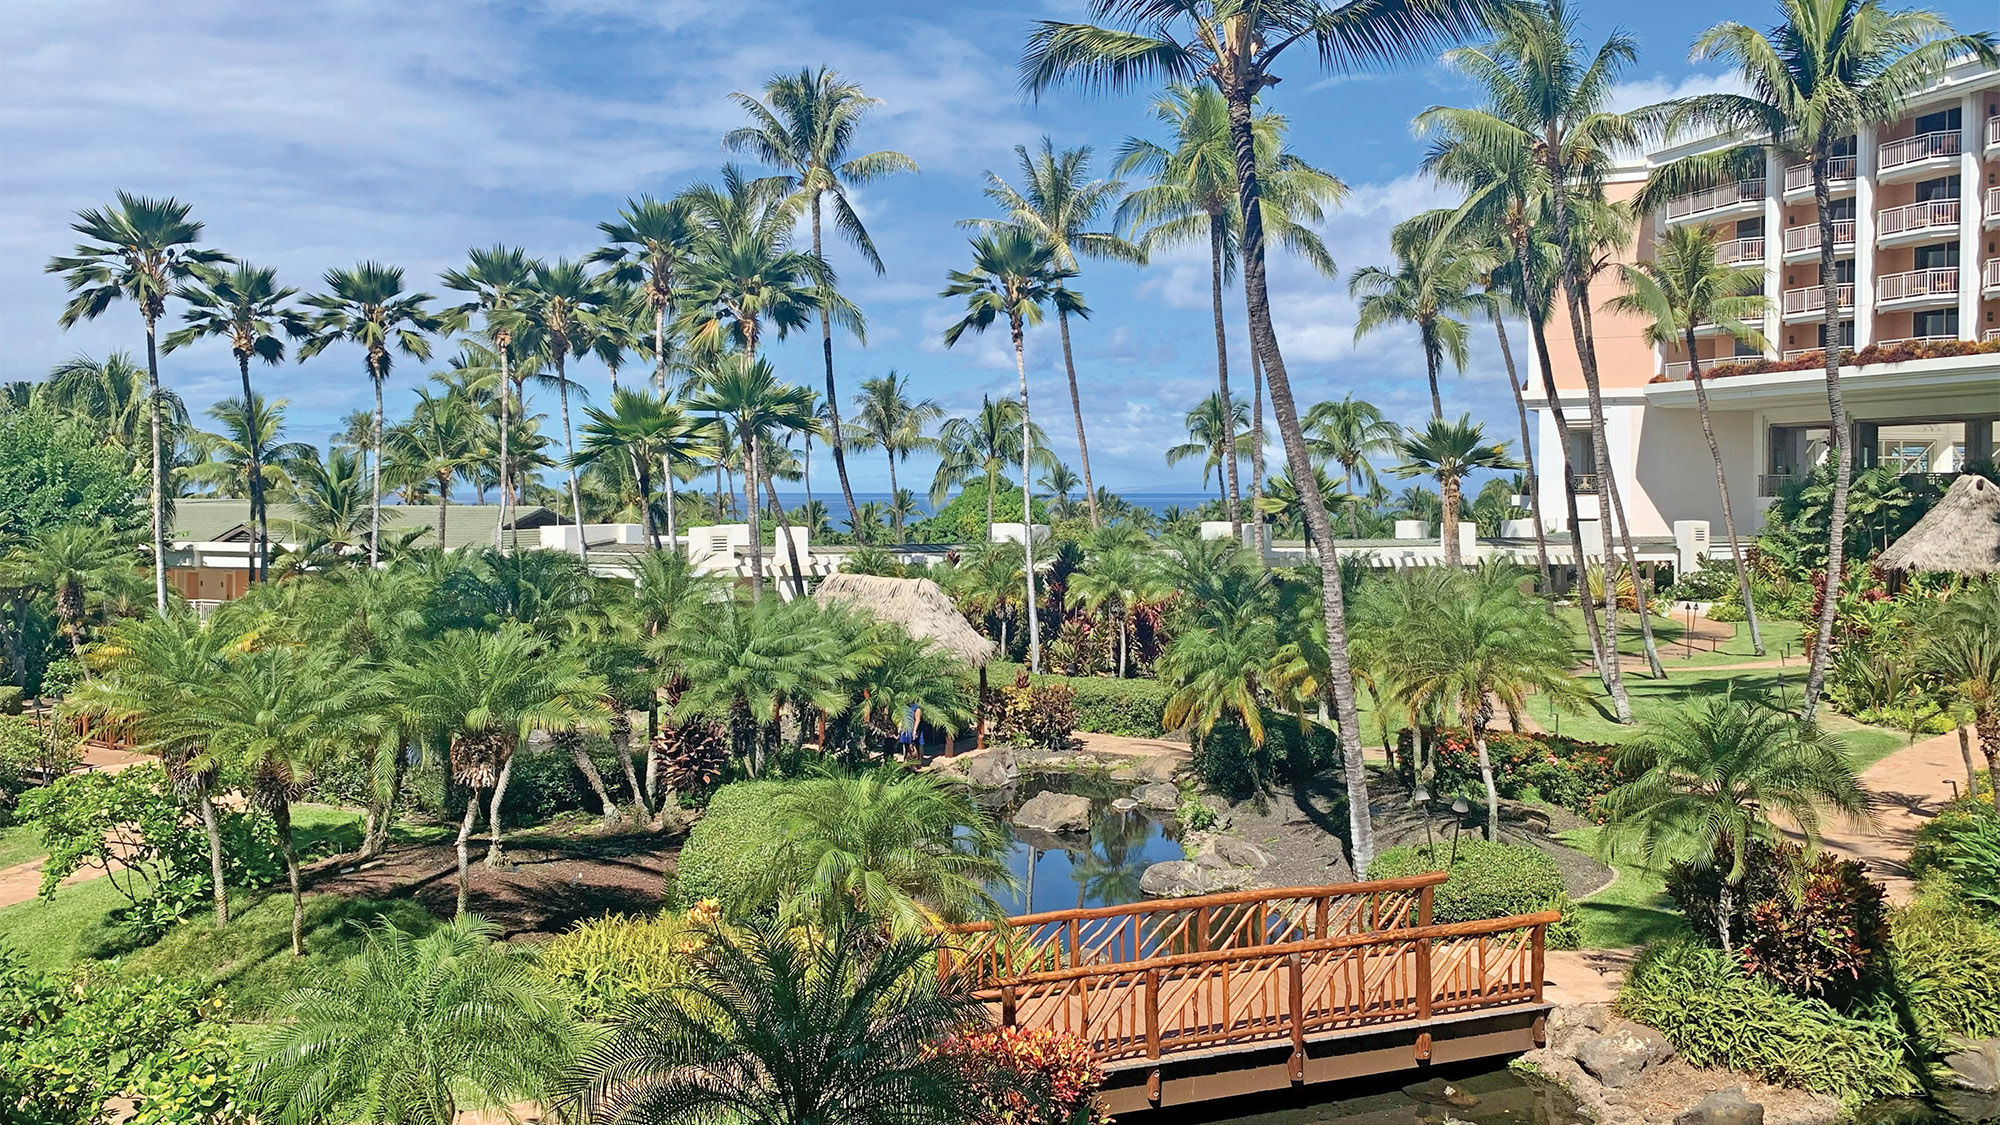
547,883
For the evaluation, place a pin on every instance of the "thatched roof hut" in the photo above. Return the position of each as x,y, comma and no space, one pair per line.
1961,535
914,603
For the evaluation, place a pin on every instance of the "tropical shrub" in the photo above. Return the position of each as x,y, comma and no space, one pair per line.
1716,1014
1566,772
607,963
1111,706
28,755
1944,962
1962,845
1697,888
730,849
10,699
1825,935
133,826
1015,1077
1488,880
1709,581
1034,714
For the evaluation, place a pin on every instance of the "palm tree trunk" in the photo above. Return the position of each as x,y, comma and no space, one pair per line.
1722,491
1727,903
580,758
1642,586
752,515
1217,236
465,850
281,817
1429,334
493,832
667,481
832,392
1987,720
660,344
791,545
375,376
621,744
1843,457
212,828
1449,489
644,479
569,447
444,506
989,504
1076,408
1478,725
1527,451
895,509
259,527
1027,505
1298,461
382,808
1965,751
159,512
1259,532
502,342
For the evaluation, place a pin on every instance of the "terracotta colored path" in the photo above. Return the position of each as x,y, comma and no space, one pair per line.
23,881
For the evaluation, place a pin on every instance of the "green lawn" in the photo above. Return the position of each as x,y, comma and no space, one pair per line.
19,844
1781,637
1634,909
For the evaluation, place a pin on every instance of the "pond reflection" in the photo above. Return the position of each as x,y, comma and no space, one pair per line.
1076,870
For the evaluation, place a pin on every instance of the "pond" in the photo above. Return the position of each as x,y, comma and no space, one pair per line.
1067,872
1481,1094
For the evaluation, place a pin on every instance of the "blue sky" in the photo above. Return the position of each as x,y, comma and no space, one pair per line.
312,134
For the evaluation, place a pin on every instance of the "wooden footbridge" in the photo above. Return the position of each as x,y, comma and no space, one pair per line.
1186,1000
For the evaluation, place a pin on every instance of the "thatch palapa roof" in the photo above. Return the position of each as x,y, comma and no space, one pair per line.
1961,535
914,603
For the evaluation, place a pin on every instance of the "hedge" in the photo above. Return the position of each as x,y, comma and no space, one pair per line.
1104,705
730,849
1488,880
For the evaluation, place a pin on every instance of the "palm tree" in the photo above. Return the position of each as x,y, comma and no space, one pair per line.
1447,452
1428,288
111,395
1827,69
1119,579
1709,777
500,281
246,307
646,247
140,250
899,849
747,392
1056,204
640,427
886,416
482,693
438,443
77,564
560,302
1217,669
786,1027
1059,480
229,453
1236,47
805,126
409,1026
366,305
1346,433
750,662
979,447
1683,287
330,495
1012,276
1212,438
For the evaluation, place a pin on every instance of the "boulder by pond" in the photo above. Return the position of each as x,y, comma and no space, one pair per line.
1617,1057
995,768
1055,812
1158,795
1723,1107
1174,878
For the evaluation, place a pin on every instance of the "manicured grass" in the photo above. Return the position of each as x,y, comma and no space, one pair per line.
1780,637
1634,909
19,844
53,934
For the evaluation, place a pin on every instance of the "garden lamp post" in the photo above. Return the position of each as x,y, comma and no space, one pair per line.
1422,800
1458,810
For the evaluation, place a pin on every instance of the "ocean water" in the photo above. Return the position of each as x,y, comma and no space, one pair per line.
1154,502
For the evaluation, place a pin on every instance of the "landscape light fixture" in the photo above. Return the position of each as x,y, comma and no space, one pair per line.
1421,798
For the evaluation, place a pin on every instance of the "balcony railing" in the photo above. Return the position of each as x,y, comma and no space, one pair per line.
1993,130
1813,299
1774,484
1839,169
1846,352
1802,238
1935,339
1585,484
1930,214
1910,150
1738,250
1992,204
1992,276
1677,371
1938,282
1990,334
1716,199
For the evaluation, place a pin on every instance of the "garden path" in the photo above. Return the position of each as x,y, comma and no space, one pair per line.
23,881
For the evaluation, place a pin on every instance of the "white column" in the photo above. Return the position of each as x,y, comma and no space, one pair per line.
1774,255
1864,237
1971,138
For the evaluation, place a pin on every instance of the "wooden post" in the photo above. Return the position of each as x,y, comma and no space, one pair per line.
1423,952
1074,957
1424,905
1201,929
1153,1015
1006,1005
1298,1005
1319,916
979,738
1539,938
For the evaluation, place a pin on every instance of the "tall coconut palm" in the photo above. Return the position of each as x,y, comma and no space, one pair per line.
331,496
885,416
980,447
1428,289
758,406
1447,452
111,395
1236,46
560,302
1056,203
1681,288
499,279
647,246
1711,777
1012,276
1214,427
745,278
366,305
805,125
1827,69
229,458
245,306
138,250
1193,199
1347,433
435,447
483,693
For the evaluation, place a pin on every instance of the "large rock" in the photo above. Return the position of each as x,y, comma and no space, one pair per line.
1975,1067
1055,812
1241,853
1174,878
1617,1057
1723,1107
1158,795
993,769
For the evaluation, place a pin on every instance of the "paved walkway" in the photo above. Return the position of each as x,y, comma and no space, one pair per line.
23,881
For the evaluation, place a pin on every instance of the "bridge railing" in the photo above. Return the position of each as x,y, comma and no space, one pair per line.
1096,937
1251,996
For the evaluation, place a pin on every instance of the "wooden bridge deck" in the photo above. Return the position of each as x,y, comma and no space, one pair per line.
1191,984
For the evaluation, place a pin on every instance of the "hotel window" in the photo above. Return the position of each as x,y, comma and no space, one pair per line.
1935,322
1745,348
1903,457
1944,187
1749,228
1846,334
1843,272
1844,146
1841,209
1582,458
1944,121
1937,256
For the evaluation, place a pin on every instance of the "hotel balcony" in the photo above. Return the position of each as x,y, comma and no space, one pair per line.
1809,302
1839,178
1990,334
1916,222
1916,157
1740,251
1992,211
1802,242
1990,281
1916,340
1918,288
1993,135
1743,198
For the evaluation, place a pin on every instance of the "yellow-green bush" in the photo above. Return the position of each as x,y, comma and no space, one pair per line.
609,962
